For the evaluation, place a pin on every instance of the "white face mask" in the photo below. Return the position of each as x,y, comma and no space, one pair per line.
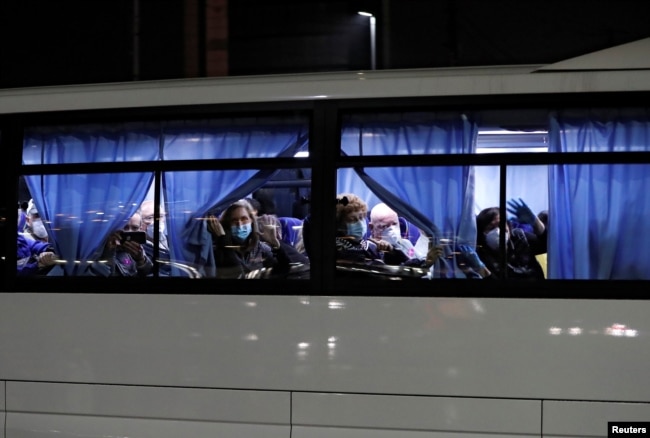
391,234
39,229
492,239
161,233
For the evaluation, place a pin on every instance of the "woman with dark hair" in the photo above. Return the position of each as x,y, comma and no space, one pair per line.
238,249
521,246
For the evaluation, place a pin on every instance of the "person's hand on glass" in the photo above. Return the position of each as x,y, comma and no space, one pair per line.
214,226
473,261
471,258
525,215
268,230
433,254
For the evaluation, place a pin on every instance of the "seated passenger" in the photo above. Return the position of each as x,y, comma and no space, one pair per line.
146,212
33,257
353,246
122,258
271,233
238,249
384,225
34,227
351,228
521,245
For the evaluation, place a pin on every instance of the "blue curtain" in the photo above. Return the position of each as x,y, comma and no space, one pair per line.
598,214
438,200
192,195
81,210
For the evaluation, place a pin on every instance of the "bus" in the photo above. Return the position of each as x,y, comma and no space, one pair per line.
177,273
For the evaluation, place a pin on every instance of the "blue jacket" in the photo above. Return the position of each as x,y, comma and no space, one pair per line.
27,255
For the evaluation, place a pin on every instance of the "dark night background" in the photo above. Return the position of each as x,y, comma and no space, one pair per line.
75,42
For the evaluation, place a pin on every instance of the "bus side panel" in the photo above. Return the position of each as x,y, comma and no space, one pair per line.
71,410
521,348
2,410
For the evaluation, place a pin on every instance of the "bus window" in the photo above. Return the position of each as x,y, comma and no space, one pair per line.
78,215
235,223
407,222
86,218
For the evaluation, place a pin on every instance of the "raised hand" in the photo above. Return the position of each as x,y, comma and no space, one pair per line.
214,226
522,211
268,230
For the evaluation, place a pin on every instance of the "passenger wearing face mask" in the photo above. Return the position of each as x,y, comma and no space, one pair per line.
351,227
147,214
352,245
521,245
34,227
384,226
238,249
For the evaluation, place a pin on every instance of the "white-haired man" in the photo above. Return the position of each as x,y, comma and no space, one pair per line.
384,225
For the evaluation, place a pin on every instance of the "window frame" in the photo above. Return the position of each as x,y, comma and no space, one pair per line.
324,159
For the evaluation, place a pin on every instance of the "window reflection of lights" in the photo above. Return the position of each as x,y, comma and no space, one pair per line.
502,140
301,154
331,347
506,132
305,301
574,331
251,337
303,350
335,304
189,270
250,304
477,306
621,330
502,150
555,331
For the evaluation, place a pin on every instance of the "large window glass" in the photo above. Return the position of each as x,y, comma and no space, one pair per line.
170,220
523,221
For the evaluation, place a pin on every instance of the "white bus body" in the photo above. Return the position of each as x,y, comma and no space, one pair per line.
234,363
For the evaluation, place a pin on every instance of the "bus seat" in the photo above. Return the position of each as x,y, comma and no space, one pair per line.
290,229
408,230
